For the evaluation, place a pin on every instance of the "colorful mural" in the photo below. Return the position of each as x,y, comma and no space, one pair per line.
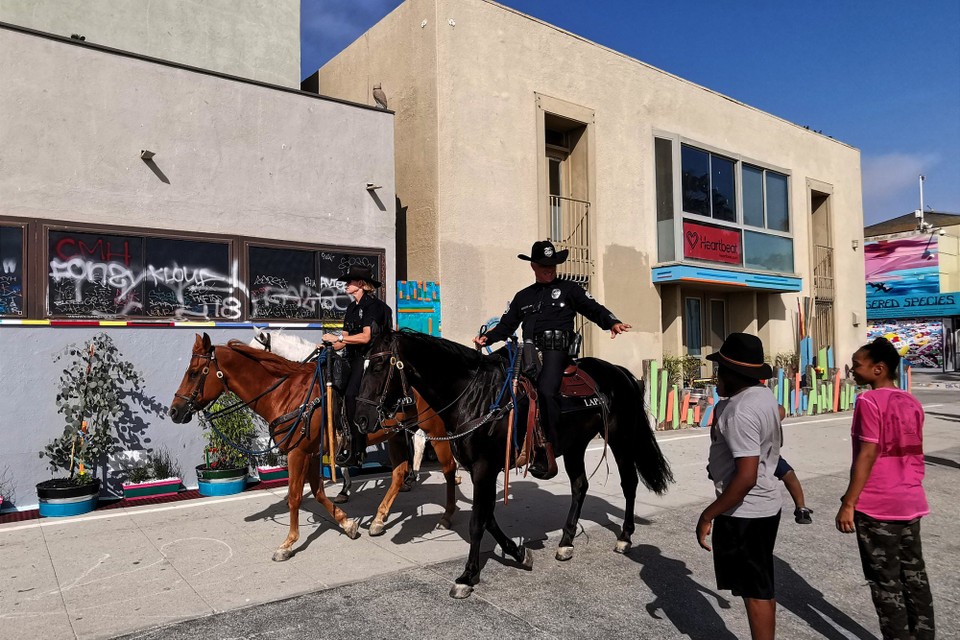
418,306
920,341
902,267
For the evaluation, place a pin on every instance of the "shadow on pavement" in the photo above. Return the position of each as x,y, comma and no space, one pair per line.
680,598
807,603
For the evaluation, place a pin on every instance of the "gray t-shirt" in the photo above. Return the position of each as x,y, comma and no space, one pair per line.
748,424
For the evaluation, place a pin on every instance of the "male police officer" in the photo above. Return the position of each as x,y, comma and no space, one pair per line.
547,309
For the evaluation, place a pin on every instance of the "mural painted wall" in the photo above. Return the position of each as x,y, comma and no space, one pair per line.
920,341
418,306
903,277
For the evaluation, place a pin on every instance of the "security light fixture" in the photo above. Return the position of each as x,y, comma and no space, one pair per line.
373,187
146,154
855,243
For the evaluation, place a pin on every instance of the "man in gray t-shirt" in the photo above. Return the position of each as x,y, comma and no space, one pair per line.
748,424
744,452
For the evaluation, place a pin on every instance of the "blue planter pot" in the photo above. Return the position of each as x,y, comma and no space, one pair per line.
60,497
220,482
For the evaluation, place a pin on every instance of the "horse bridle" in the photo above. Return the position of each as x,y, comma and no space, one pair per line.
396,364
192,406
265,339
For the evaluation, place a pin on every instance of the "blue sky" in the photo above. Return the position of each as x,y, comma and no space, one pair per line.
881,75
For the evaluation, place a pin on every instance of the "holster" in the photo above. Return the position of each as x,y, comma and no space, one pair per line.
530,360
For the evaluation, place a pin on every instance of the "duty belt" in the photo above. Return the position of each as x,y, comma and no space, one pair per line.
553,340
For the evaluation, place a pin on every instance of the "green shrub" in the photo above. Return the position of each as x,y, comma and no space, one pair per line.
682,370
237,427
157,466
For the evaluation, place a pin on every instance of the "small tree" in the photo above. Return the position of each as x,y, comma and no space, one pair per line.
236,428
94,392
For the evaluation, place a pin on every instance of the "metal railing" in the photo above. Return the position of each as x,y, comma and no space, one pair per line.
823,288
569,228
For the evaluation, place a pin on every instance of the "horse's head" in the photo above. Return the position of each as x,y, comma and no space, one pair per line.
201,383
383,389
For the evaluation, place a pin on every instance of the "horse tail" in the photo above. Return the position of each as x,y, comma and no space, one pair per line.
653,468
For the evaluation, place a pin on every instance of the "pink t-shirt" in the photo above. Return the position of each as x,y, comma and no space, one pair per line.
893,419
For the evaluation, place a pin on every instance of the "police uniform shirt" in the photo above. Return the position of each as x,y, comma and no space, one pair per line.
551,305
362,314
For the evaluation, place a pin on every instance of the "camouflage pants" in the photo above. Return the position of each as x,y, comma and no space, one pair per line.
892,562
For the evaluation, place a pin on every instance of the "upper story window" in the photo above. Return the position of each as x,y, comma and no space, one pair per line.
730,212
708,183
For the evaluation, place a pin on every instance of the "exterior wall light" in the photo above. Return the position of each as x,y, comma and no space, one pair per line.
146,154
855,243
373,187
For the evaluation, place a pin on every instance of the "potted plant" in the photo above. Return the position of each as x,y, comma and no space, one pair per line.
224,470
272,467
6,489
156,477
95,388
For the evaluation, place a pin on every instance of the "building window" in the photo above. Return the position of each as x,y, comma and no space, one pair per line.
136,274
692,326
709,184
663,150
748,207
765,199
12,271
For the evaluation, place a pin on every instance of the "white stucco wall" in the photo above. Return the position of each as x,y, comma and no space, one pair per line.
256,39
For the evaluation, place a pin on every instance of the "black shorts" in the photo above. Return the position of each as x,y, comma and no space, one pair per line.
743,555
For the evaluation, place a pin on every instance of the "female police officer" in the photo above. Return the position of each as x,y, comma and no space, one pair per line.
547,309
366,316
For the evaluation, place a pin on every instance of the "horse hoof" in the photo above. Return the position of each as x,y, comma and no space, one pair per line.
443,524
623,546
340,498
461,591
457,480
527,562
281,555
352,529
564,553
377,529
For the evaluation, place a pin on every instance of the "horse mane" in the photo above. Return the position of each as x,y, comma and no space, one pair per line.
449,348
273,363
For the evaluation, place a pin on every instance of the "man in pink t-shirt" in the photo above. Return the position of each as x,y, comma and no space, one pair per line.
884,500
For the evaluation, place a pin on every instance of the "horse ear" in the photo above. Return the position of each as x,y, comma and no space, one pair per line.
198,343
206,342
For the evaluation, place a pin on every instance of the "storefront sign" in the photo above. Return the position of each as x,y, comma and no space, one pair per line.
715,244
933,305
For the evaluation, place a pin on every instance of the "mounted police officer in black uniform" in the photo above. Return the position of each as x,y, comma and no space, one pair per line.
365,318
547,309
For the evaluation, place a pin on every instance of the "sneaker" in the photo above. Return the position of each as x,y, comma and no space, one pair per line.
802,515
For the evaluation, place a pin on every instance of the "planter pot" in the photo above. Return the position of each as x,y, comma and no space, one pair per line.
273,474
61,497
151,489
221,481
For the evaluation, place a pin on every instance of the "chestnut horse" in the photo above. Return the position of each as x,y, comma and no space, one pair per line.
468,387
273,387
299,349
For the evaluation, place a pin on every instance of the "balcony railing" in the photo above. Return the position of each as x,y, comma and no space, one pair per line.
570,229
823,273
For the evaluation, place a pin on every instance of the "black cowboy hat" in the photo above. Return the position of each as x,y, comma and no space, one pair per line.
359,272
545,254
743,353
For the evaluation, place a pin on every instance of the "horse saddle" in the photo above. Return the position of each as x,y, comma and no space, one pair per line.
578,391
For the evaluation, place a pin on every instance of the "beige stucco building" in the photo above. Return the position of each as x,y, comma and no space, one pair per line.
509,129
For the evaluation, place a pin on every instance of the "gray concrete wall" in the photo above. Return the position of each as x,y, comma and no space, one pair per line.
239,158
257,39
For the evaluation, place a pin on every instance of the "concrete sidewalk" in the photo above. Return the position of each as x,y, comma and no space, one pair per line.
133,569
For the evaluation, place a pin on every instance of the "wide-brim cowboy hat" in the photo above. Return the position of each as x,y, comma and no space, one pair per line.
359,272
743,354
545,254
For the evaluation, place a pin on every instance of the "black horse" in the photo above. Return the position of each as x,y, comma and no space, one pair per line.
463,385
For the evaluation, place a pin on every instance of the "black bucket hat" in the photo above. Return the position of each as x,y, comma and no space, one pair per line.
743,353
545,254
358,272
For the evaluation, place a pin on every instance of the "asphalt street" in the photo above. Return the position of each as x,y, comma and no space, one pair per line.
203,570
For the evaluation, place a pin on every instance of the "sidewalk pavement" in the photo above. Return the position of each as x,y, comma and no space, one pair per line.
936,379
134,569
